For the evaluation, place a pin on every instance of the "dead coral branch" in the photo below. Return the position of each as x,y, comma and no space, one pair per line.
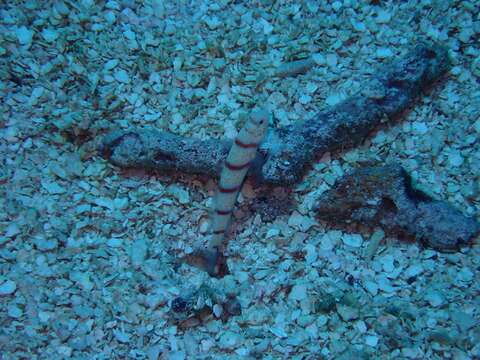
285,152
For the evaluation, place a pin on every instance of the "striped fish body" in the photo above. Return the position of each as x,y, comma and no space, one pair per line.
233,173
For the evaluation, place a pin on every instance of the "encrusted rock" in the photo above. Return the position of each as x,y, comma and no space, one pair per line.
385,196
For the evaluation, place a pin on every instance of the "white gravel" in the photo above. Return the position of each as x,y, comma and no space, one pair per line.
88,251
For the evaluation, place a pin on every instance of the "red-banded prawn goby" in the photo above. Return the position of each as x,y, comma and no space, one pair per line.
235,168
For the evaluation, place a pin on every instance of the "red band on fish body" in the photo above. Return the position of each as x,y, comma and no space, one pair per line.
223,212
227,190
245,146
233,167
